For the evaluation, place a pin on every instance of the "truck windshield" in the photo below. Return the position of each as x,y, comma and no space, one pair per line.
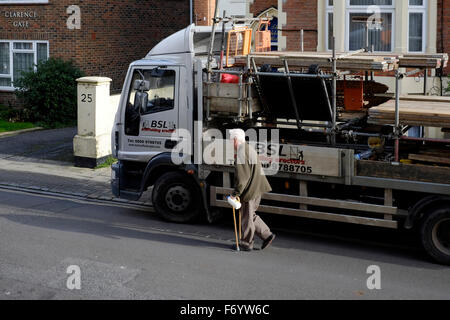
158,92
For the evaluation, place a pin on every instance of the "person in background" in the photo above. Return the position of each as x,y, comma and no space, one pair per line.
250,183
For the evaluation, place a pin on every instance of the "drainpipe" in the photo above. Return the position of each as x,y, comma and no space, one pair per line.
191,11
442,45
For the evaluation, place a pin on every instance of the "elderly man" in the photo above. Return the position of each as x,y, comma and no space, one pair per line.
250,184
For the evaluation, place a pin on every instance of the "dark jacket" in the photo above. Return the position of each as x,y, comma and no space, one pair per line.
249,179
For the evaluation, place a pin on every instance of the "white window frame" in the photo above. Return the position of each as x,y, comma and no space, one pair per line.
11,57
363,9
419,9
392,6
23,1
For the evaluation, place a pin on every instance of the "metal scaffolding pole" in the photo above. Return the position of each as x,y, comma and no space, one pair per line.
333,61
210,57
397,133
291,91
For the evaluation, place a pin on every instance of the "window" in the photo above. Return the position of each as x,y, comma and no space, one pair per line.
329,29
273,27
161,90
5,65
371,2
380,34
19,56
417,23
380,38
151,91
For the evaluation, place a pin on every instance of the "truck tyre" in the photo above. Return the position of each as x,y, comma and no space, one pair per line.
176,198
435,234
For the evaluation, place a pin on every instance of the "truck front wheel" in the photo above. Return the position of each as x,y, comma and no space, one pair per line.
176,197
435,234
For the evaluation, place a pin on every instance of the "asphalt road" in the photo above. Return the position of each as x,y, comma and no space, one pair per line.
39,146
126,253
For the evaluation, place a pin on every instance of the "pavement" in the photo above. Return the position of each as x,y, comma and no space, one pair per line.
43,161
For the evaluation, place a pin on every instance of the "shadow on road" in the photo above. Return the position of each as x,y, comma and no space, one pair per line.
112,231
152,229
294,236
53,145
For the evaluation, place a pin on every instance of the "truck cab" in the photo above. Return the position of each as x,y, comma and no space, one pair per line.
157,101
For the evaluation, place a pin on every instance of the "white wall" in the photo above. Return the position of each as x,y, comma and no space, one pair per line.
233,7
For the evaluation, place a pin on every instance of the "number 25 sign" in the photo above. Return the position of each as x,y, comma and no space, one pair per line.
86,97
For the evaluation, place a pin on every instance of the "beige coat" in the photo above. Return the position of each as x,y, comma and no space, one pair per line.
249,179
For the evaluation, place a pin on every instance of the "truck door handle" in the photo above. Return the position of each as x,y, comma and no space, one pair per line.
170,144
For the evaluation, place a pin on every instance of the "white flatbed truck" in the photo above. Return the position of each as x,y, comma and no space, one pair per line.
318,175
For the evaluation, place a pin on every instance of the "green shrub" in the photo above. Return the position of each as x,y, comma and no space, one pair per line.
448,89
12,114
50,93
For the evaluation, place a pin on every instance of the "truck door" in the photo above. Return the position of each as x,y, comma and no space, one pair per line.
151,113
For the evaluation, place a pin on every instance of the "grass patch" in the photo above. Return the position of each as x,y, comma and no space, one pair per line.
11,120
56,125
108,163
6,126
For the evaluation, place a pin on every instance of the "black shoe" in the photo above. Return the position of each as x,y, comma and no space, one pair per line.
268,241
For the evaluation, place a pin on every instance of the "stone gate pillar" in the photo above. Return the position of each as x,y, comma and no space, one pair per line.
92,144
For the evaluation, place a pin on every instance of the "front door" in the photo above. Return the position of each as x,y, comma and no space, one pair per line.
151,114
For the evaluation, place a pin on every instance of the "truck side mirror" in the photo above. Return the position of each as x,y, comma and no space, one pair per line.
141,101
141,96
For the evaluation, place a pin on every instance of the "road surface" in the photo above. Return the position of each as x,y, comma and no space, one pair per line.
125,253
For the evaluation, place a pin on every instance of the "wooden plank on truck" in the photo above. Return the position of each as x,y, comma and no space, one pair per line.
358,61
412,112
410,172
350,63
428,158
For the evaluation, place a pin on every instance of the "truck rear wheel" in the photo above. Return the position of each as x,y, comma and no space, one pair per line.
435,234
176,198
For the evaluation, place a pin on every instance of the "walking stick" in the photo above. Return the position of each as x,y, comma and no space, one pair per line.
240,218
240,228
235,230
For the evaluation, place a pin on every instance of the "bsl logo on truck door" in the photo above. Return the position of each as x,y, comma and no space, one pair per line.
159,126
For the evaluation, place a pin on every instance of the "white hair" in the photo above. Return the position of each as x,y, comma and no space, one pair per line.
238,134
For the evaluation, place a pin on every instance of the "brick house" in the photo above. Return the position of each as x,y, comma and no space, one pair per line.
408,26
102,37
